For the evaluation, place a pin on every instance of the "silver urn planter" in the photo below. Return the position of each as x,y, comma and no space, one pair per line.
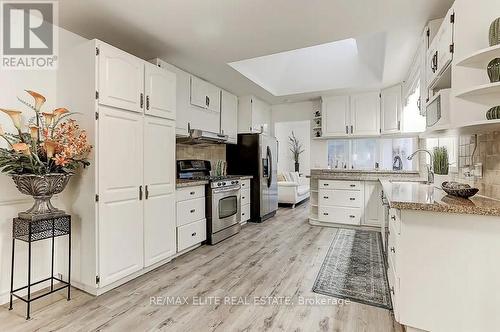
41,188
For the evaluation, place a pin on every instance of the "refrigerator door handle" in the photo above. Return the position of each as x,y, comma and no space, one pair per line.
270,163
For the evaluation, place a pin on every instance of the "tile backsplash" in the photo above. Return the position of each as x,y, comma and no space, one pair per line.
212,152
488,153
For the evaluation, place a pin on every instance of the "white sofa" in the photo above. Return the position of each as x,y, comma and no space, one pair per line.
292,188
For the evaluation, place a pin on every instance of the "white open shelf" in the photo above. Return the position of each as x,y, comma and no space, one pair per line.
476,127
486,94
481,58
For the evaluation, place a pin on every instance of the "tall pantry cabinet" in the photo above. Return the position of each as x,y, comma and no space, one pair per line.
129,226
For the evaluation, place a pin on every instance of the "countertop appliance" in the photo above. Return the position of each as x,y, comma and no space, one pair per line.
257,155
438,110
223,199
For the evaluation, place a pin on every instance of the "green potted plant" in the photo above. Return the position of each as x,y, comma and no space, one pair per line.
42,154
296,149
441,164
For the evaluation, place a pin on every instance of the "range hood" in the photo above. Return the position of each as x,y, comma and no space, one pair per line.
198,136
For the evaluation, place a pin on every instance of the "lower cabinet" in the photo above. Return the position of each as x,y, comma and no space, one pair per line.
191,222
373,208
245,201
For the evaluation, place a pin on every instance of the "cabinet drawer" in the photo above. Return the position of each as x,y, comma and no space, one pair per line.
191,234
190,210
245,184
245,197
190,193
347,198
341,215
340,184
245,212
395,220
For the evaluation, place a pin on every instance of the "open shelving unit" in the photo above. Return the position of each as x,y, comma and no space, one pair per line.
481,58
486,94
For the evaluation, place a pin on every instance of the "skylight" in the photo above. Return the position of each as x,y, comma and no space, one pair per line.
340,64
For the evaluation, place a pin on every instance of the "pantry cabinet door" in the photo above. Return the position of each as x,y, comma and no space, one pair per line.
229,116
120,221
365,114
160,90
159,195
121,79
390,104
336,116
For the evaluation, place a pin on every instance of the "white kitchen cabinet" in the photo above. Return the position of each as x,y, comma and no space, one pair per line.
245,201
160,91
123,208
120,78
335,112
191,222
254,116
159,190
205,95
373,205
391,105
229,116
365,114
120,223
441,49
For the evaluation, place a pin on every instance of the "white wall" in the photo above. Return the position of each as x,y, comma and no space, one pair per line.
13,84
303,111
302,131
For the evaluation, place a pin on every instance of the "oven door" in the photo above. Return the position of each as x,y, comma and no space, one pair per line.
226,210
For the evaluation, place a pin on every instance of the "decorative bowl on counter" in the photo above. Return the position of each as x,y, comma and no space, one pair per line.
459,189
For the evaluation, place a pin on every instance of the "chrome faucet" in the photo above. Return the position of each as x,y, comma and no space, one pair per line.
430,173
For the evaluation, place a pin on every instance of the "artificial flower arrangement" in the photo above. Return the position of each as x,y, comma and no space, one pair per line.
42,159
54,143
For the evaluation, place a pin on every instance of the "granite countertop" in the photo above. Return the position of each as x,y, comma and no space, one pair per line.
423,197
182,183
363,175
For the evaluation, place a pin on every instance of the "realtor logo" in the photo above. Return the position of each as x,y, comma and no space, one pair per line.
29,35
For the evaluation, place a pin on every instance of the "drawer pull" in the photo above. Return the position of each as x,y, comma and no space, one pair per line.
325,213
242,184
352,216
243,214
352,199
352,185
326,184
393,217
393,249
193,210
325,197
192,193
243,197
193,234
392,290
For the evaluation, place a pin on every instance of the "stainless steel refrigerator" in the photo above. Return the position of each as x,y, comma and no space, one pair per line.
257,155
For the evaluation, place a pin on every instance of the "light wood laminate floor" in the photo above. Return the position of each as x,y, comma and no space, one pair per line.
280,257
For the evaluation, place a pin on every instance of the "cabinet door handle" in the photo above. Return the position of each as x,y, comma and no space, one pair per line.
207,101
352,129
393,217
347,129
399,125
243,214
147,192
352,198
147,102
325,213
393,249
141,100
193,234
352,216
352,185
192,193
243,197
140,193
392,290
325,184
193,210
325,197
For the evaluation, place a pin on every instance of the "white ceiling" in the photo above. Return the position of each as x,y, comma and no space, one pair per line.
203,36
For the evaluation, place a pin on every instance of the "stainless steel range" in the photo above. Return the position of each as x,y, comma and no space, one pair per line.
223,207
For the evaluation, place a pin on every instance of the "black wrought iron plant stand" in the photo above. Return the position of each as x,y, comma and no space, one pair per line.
30,231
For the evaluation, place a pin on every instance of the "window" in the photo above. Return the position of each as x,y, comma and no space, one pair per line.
389,153
413,121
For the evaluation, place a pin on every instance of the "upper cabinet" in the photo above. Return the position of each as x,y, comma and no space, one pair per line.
356,115
365,114
160,89
440,52
121,78
205,95
390,104
229,116
335,111
254,116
